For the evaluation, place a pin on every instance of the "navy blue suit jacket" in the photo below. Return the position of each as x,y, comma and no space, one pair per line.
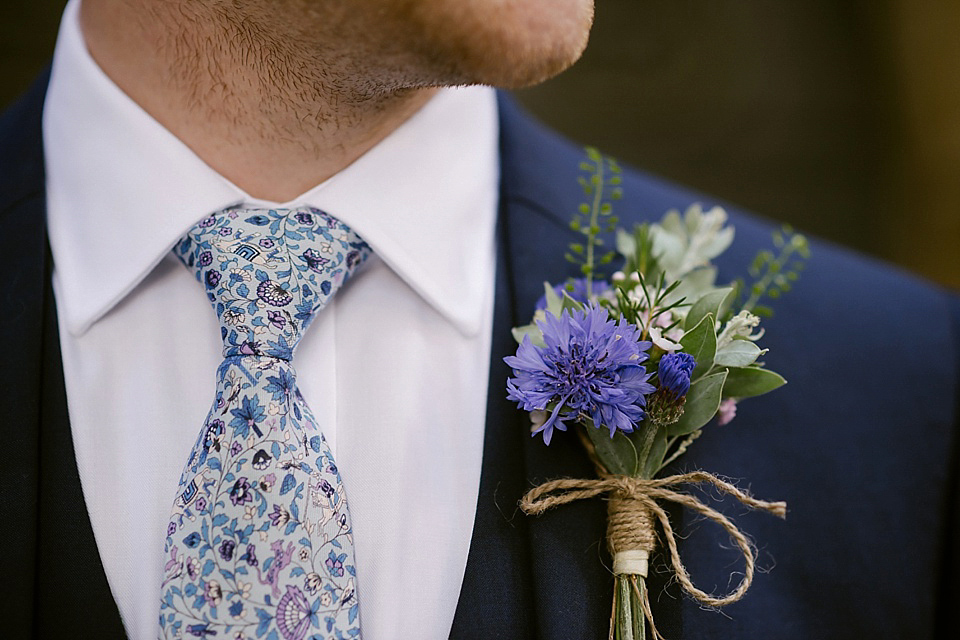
862,443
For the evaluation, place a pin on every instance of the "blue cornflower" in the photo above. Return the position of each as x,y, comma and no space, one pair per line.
675,371
579,292
590,366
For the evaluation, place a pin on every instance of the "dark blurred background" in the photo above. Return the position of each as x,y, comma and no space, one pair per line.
841,117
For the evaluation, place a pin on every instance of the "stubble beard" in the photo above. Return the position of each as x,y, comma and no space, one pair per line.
311,66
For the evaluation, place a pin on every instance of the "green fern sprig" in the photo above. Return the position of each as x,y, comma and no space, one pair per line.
775,273
601,186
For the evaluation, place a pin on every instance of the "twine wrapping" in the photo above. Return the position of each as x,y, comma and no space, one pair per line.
632,510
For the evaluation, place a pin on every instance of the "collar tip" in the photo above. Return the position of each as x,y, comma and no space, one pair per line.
467,328
79,322
78,327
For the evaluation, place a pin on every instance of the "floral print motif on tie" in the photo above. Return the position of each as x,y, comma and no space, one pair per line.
260,544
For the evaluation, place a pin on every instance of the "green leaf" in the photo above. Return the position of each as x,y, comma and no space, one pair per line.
702,403
701,343
747,382
529,330
738,353
713,302
617,454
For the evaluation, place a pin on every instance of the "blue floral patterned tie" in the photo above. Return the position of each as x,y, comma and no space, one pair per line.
259,544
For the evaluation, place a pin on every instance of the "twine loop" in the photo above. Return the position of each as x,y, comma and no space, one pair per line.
632,510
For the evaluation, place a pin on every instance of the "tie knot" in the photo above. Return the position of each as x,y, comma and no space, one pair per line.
267,272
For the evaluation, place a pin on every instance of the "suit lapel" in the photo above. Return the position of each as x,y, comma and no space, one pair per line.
496,599
559,585
570,583
51,553
527,577
22,256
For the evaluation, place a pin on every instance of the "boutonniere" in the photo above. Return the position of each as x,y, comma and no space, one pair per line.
637,365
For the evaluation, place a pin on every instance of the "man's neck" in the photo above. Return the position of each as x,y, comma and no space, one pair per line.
270,120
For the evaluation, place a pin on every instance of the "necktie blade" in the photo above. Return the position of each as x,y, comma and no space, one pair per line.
259,543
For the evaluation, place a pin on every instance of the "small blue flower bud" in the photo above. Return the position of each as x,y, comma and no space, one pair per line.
674,373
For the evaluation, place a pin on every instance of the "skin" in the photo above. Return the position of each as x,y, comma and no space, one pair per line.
279,95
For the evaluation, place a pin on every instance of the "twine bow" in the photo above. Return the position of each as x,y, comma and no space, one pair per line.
630,528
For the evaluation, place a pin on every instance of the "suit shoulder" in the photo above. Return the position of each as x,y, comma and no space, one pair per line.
541,170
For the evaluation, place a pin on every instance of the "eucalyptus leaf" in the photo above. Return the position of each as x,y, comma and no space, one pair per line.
554,301
702,403
672,223
569,304
536,337
626,243
747,382
713,303
693,285
701,343
617,454
738,353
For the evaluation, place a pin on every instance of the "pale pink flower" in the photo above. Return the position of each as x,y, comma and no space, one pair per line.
727,411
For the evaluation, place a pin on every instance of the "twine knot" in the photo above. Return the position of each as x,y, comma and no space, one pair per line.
632,510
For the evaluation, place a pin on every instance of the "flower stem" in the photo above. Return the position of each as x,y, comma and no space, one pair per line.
648,433
628,621
594,227
639,584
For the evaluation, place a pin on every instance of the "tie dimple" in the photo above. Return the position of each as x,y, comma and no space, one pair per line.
260,544
268,272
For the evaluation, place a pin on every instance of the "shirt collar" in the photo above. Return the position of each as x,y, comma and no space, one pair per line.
121,190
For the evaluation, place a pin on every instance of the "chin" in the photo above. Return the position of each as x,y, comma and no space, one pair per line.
503,43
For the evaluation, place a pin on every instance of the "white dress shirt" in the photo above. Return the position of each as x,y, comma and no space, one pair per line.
395,368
